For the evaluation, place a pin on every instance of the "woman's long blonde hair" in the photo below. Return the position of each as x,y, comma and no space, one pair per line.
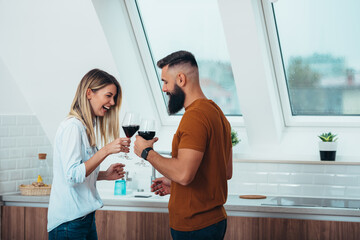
107,126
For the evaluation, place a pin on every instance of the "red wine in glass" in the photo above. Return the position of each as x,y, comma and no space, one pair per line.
147,135
130,130
130,125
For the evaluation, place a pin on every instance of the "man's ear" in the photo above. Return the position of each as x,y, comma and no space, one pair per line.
89,93
181,79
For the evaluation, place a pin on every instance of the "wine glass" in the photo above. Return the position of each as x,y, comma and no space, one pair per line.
130,125
146,131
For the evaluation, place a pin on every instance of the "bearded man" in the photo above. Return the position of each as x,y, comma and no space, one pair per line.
196,175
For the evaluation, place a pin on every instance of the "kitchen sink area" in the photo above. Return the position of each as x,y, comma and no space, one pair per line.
312,202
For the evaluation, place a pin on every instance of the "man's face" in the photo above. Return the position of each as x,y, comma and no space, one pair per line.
175,93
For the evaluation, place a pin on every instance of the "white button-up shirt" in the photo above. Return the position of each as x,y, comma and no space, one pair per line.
72,194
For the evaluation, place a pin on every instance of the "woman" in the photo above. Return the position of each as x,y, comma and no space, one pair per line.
74,198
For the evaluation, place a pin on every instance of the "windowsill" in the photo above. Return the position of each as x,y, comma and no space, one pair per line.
340,160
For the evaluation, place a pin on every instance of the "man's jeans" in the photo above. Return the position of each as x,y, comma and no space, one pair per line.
80,228
212,232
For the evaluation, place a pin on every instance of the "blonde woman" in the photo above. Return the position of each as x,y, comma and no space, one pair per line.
93,119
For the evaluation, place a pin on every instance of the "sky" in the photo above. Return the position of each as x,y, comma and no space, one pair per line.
321,26
305,27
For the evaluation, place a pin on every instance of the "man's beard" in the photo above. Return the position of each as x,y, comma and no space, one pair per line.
176,100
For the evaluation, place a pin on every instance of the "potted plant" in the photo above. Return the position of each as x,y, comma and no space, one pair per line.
234,138
327,146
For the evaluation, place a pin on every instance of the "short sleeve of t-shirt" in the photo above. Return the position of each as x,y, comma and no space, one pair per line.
193,131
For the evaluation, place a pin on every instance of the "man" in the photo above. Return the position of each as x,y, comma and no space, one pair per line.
201,162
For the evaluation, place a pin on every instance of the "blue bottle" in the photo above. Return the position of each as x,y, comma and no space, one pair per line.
120,187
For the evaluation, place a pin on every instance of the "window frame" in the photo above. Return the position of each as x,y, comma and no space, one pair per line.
150,69
278,66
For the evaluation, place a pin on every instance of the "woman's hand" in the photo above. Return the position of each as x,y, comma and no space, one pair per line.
161,186
118,145
114,172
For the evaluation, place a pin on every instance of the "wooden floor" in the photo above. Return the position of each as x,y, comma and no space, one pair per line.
18,223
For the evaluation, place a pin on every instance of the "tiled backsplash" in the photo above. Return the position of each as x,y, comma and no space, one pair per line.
21,139
313,180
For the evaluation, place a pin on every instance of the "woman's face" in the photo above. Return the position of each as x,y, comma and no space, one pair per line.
102,100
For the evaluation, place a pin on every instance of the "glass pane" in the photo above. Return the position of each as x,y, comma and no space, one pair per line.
193,26
319,41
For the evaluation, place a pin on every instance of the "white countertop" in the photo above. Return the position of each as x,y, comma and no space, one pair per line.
234,206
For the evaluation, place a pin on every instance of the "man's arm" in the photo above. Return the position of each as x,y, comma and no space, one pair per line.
181,169
229,170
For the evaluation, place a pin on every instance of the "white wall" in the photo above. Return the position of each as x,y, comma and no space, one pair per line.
47,47
12,100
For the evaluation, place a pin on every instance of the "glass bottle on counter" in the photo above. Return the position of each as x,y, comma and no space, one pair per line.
43,170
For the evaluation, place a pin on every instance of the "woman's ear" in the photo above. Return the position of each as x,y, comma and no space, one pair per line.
89,93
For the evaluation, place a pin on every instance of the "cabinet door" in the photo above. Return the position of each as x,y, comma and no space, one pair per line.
12,223
132,225
36,223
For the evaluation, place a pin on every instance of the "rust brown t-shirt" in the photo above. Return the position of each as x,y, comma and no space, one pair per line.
204,128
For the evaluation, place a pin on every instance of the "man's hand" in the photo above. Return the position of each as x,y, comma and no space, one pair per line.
114,172
161,186
140,144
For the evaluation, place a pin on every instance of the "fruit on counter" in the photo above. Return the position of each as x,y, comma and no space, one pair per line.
39,179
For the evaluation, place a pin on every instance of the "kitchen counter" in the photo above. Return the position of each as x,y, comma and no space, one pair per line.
234,206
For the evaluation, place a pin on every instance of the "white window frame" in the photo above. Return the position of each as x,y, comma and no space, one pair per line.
142,44
290,120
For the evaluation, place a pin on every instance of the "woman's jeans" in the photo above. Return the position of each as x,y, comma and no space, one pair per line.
80,228
212,232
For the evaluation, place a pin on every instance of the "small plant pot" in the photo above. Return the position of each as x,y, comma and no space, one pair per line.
327,151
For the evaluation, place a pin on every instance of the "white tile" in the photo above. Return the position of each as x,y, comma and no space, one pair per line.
312,190
37,141
23,163
7,187
254,177
15,131
353,169
34,120
34,162
24,120
324,179
15,175
245,167
279,178
46,149
23,142
290,168
4,131
341,169
302,178
244,188
15,153
4,153
8,142
31,131
311,168
264,188
267,167
40,131
8,120
30,173
7,165
346,180
290,189
30,152
353,192
334,191
4,176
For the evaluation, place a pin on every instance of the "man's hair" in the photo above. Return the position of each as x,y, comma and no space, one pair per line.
176,58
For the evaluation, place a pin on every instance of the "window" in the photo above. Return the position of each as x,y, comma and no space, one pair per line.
194,26
319,46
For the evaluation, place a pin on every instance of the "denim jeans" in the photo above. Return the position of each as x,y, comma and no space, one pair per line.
81,228
212,232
